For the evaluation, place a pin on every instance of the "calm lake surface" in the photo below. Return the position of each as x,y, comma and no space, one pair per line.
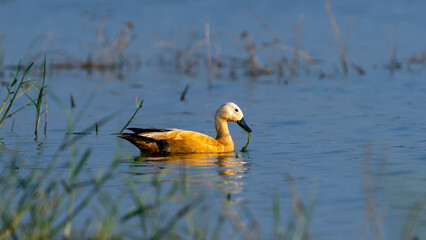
332,135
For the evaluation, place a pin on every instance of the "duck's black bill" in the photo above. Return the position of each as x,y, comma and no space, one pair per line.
243,125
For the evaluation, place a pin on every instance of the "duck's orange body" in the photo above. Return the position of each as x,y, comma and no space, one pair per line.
175,141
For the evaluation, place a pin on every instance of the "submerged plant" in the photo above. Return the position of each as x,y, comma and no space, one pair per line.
244,149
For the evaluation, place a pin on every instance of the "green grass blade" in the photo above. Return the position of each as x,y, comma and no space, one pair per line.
15,79
17,110
80,164
29,98
15,93
138,106
39,102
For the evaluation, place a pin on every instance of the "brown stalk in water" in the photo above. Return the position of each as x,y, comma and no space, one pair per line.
208,52
45,118
336,33
369,192
393,50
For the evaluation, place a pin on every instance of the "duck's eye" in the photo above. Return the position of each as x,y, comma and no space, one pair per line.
236,110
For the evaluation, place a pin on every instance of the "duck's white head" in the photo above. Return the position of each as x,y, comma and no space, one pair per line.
232,113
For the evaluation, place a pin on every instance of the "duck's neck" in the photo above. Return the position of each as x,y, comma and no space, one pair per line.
223,135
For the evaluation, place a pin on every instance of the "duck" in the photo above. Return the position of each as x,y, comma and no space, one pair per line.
177,141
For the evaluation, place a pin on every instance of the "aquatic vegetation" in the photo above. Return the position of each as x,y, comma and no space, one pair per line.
107,54
336,33
244,149
201,52
22,87
138,106
15,90
39,102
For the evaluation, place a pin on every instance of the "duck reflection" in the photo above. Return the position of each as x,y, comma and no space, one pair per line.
225,168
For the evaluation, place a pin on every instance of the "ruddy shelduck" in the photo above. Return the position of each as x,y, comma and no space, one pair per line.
175,141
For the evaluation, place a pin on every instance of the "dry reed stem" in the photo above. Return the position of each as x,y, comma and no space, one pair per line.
5,105
217,62
410,223
13,123
253,61
279,67
208,52
369,192
42,50
301,213
45,118
239,225
336,34
393,50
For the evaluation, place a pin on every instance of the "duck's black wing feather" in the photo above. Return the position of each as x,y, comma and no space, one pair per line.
147,130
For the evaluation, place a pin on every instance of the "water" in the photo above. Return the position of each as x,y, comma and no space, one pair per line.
328,134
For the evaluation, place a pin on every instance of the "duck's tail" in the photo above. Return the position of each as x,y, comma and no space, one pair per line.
147,144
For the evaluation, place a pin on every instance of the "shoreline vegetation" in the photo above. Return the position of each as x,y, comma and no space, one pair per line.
201,55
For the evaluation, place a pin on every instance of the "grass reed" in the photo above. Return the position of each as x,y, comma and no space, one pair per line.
15,90
394,64
208,53
369,188
336,33
39,101
45,118
194,57
138,107
371,185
